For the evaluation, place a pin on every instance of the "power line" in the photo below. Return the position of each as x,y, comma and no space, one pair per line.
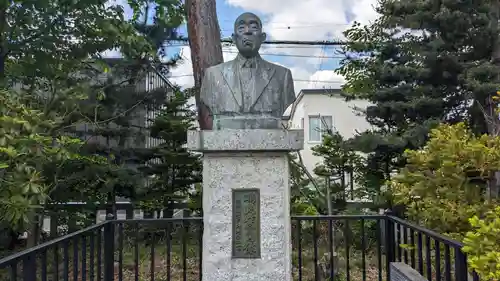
268,46
299,80
293,27
295,47
282,42
291,55
264,22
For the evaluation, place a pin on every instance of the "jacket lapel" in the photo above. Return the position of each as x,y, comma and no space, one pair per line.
265,74
232,80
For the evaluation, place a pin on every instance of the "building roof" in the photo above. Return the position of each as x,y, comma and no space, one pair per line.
290,111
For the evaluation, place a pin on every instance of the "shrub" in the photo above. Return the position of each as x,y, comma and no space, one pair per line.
448,177
482,245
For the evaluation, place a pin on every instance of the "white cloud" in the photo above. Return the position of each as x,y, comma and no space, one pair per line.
334,80
309,21
364,11
299,20
291,20
320,79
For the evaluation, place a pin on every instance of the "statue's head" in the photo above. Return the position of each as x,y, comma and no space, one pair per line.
248,35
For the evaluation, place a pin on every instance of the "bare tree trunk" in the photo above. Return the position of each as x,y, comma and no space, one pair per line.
328,196
206,48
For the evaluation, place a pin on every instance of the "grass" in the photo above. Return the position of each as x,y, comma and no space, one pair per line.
192,265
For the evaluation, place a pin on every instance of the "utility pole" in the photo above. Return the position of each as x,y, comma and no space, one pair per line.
205,43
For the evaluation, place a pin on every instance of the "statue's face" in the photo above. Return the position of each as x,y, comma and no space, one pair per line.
248,35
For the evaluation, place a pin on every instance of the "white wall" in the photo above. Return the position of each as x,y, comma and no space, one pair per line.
345,120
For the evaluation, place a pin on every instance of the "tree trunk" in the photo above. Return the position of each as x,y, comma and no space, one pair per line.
34,231
491,108
206,49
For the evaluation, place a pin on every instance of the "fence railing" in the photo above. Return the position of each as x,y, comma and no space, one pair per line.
433,255
344,247
64,218
59,258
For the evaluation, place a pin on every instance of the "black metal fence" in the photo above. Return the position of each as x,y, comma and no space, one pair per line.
59,258
344,247
65,218
433,255
356,247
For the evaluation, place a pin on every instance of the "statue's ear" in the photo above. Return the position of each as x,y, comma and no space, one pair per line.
263,36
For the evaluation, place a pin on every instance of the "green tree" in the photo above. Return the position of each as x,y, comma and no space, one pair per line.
113,123
51,50
482,244
342,165
26,148
419,64
447,176
57,36
173,169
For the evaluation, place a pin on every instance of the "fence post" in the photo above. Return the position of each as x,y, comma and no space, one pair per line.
390,249
109,248
29,268
461,273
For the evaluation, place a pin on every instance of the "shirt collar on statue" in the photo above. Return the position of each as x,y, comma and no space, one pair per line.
244,62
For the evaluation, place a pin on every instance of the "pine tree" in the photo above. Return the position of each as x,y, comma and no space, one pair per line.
46,60
415,65
124,91
113,126
342,165
173,169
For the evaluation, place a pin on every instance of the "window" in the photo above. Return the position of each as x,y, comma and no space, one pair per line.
318,125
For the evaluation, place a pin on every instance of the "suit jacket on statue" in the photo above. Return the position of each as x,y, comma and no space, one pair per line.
263,107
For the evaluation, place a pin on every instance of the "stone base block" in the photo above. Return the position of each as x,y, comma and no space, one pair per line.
246,159
246,140
403,272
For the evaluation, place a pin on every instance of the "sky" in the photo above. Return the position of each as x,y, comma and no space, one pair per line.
302,20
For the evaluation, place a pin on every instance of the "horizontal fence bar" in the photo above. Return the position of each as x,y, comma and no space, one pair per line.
44,246
118,204
160,220
324,247
338,217
427,232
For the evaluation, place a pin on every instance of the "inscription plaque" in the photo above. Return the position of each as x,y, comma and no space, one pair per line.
246,224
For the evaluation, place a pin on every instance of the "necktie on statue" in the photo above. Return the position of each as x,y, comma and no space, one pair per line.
247,76
249,64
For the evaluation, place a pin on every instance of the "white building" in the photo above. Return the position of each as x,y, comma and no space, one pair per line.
314,108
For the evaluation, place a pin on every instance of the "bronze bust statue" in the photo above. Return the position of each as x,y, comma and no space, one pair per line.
247,92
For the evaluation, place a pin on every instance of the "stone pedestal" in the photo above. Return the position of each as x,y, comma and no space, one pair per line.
251,160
